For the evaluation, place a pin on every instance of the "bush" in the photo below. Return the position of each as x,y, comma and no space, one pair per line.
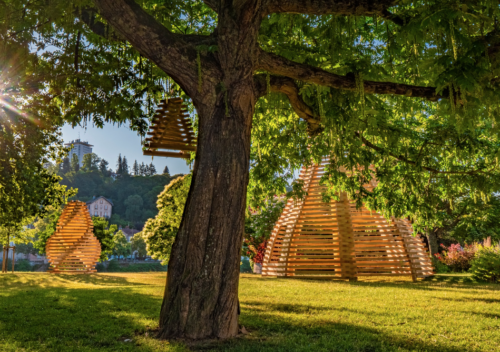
456,257
440,267
21,265
486,264
113,266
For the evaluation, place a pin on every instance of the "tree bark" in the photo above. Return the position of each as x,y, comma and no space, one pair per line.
433,244
201,296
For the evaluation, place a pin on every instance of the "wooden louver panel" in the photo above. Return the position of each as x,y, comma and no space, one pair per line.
171,131
73,248
314,239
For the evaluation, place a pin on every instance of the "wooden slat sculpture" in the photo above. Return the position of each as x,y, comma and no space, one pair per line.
73,248
314,239
171,130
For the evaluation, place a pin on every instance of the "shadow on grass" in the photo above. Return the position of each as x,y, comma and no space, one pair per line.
437,281
12,280
101,319
75,319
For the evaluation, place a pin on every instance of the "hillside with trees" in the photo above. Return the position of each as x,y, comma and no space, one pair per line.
133,191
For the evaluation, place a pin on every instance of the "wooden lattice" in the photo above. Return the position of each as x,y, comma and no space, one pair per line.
171,130
314,239
73,248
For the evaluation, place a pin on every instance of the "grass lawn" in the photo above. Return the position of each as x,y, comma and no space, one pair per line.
114,312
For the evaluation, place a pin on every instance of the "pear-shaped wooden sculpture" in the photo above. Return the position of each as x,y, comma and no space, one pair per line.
73,248
314,239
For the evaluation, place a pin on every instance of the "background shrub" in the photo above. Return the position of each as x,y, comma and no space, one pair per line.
486,264
21,265
456,257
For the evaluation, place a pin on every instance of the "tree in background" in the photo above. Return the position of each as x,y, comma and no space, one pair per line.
91,162
75,163
139,244
103,167
143,169
27,144
119,165
465,220
121,247
166,171
66,166
151,170
105,234
45,227
134,206
135,168
160,232
125,170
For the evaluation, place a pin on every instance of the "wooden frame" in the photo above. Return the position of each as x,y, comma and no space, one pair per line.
73,248
334,240
171,130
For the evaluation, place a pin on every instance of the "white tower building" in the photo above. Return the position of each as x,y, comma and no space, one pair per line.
80,148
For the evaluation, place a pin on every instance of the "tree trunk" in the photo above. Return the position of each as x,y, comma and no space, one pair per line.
201,296
433,244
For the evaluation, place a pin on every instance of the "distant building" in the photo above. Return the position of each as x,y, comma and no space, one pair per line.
100,206
128,232
80,148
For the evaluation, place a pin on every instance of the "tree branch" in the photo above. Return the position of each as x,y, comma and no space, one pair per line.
337,7
213,4
175,54
288,87
411,162
280,66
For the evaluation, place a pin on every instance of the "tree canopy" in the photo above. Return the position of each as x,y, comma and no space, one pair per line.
408,88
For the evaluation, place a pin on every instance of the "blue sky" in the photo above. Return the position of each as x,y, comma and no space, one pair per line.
112,140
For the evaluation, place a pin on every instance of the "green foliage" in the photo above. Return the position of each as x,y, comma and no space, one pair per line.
90,162
258,228
105,234
75,163
423,153
45,227
139,244
23,265
27,143
134,206
121,247
486,264
20,265
125,210
160,231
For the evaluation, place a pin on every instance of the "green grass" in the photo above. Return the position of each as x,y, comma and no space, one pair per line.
43,312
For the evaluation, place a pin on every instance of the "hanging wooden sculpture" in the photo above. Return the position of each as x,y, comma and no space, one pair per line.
73,248
171,130
314,239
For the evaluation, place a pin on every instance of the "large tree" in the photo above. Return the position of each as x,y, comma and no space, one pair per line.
404,91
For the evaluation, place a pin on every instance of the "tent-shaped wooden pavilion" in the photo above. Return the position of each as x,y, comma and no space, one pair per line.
334,240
